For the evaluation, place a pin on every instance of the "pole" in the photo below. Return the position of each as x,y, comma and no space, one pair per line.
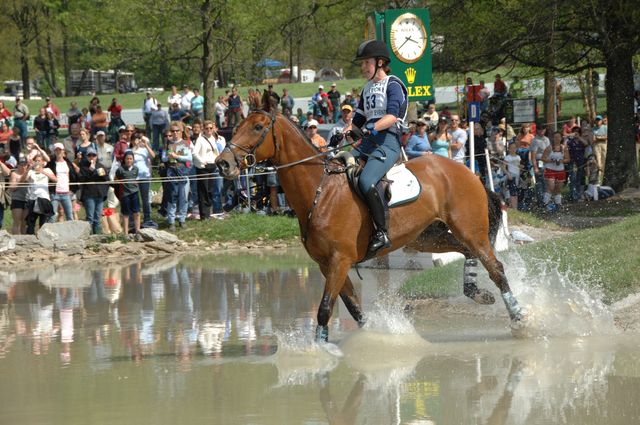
472,147
489,171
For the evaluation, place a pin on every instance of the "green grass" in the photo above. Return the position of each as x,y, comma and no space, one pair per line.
607,256
529,219
241,261
241,228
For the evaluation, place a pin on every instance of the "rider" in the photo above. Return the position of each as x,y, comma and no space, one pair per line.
381,110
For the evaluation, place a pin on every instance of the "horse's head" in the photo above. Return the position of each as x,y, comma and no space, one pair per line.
254,141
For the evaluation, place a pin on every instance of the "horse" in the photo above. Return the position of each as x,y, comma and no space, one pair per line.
335,226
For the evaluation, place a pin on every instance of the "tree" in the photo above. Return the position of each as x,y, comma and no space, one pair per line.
24,15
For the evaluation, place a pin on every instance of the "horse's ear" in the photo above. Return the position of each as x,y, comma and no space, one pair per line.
266,105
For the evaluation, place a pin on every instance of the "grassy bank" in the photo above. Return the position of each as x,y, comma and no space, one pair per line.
608,255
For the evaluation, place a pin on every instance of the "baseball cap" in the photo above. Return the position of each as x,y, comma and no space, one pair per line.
122,128
421,122
58,146
12,162
100,133
312,123
333,84
91,151
598,117
320,86
348,107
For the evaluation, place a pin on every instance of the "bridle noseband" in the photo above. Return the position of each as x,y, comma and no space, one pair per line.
250,158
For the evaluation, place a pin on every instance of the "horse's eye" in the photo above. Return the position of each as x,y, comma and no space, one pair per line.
258,127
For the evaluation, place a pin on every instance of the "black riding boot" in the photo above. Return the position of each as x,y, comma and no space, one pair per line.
379,214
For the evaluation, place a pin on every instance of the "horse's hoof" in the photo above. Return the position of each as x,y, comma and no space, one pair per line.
322,334
482,296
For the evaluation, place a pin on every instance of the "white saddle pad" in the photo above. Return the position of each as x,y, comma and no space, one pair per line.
405,187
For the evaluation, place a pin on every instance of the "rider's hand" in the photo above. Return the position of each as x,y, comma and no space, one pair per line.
356,133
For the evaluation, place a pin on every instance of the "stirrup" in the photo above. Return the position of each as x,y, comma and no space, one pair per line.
379,241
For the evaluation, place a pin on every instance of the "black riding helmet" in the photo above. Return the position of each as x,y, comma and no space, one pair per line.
372,49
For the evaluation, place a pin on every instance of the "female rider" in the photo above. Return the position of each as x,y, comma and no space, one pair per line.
381,110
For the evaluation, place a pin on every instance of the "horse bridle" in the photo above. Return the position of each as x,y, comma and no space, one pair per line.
250,158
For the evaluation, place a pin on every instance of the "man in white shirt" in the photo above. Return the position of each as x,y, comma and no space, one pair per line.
185,102
174,97
205,151
149,105
458,140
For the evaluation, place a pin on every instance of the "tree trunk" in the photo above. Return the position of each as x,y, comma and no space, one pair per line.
206,62
621,166
591,106
65,61
24,68
549,101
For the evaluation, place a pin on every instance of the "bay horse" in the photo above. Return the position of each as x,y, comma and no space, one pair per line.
335,225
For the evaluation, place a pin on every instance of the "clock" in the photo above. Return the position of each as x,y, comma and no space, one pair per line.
408,38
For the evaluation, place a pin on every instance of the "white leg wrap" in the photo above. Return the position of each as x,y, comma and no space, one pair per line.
512,305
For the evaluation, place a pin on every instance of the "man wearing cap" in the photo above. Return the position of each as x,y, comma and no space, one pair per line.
334,100
72,141
122,145
20,118
104,151
321,103
336,135
600,144
312,132
93,172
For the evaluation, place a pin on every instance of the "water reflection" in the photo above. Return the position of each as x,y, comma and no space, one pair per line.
228,340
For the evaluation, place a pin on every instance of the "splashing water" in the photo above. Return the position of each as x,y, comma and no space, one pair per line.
387,316
556,303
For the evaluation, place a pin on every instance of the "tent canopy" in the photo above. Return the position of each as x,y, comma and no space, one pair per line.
270,63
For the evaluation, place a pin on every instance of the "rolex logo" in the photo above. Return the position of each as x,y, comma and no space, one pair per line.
410,73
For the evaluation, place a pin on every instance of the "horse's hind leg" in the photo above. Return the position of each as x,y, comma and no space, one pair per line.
497,275
437,238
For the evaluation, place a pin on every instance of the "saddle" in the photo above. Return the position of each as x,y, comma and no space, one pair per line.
399,186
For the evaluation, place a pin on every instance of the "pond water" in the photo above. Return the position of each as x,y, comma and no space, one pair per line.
226,339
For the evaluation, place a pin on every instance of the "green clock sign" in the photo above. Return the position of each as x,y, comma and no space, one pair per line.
407,34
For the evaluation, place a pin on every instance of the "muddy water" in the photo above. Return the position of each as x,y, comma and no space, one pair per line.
226,340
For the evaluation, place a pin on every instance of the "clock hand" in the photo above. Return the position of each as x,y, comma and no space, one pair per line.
405,42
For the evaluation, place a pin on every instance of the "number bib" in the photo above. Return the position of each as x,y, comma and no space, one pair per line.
374,96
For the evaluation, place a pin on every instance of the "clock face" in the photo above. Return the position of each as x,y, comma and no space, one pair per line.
408,38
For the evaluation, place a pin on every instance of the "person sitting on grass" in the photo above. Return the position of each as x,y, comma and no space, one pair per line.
130,202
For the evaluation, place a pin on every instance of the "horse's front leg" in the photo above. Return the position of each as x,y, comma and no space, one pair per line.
335,273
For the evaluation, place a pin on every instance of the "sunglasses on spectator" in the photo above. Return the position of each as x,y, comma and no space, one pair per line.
176,130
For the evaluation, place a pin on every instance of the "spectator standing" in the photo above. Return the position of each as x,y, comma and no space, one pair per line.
51,107
185,102
54,125
254,99
5,114
197,105
72,141
512,170
221,111
73,114
576,145
431,115
19,199
99,121
484,94
539,144
499,87
524,137
334,101
123,144
93,195
287,102
174,97
32,149
320,102
130,203
458,140
5,135
41,127
517,88
600,138
209,185
159,121
104,150
176,159
178,114
273,97
440,139
336,134
38,178
555,157
20,118
66,174
317,140
115,110
85,143
149,104
143,154
418,144
567,127
235,108
5,195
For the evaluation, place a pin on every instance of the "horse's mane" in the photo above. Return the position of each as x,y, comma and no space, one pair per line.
266,109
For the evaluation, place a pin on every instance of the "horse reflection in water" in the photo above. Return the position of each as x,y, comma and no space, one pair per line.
335,225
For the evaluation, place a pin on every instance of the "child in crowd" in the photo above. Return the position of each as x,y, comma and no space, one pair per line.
512,169
130,202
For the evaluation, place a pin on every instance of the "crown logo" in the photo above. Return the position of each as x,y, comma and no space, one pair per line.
410,73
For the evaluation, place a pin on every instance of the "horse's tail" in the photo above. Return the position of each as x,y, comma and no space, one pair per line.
495,215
